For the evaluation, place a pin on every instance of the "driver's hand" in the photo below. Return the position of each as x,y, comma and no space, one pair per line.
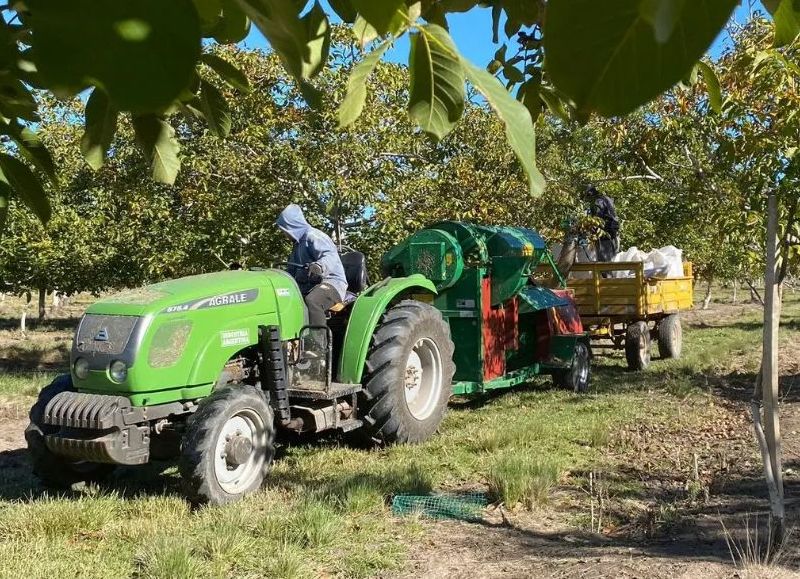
315,270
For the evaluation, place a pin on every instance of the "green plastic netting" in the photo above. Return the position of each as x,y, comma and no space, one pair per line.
464,507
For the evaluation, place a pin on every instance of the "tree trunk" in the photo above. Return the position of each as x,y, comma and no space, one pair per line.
707,298
42,303
735,290
770,374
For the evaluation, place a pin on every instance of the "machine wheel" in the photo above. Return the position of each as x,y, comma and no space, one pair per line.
408,376
52,469
670,337
578,376
228,446
637,346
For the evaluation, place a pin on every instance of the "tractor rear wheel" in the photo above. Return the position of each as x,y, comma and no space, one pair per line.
578,375
408,376
670,337
228,446
52,469
637,346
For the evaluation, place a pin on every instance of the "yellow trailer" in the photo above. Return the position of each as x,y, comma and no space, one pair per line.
628,313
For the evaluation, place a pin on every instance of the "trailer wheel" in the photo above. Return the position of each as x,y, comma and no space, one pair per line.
52,469
670,337
578,375
228,446
408,376
637,346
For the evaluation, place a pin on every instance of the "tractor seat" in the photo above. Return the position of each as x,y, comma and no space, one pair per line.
355,271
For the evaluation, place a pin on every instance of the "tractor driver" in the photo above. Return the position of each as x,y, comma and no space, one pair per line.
314,263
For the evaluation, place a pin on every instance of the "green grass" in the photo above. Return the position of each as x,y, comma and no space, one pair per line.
325,509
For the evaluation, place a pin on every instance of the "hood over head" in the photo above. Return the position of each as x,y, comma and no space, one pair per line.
292,222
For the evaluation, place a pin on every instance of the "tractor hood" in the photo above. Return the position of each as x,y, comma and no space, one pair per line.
190,293
179,334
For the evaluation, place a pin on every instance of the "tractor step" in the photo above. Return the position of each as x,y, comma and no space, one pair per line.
351,424
336,390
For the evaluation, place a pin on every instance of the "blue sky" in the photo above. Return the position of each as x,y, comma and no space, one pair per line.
472,32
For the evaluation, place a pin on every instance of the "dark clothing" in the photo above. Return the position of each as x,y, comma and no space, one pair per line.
603,208
607,248
607,245
319,300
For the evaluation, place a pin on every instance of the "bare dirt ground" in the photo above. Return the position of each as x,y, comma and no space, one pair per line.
667,528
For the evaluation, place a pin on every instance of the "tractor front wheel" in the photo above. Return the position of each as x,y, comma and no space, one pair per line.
228,446
637,346
408,376
52,469
578,375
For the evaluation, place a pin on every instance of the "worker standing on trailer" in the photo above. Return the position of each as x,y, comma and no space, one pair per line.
314,263
602,207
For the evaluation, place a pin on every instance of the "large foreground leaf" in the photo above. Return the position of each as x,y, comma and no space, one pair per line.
5,194
786,14
226,71
26,185
517,119
379,13
101,124
157,138
611,57
142,52
301,43
215,109
712,85
356,96
436,101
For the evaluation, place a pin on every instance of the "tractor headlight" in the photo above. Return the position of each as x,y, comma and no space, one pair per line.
118,371
81,368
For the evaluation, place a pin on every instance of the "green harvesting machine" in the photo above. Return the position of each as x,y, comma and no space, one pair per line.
507,328
212,369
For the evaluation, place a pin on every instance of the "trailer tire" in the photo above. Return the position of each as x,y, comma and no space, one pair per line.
51,469
670,337
578,376
228,446
408,374
637,346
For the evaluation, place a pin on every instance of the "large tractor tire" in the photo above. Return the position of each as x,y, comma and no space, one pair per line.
409,373
228,445
637,346
578,376
53,470
670,337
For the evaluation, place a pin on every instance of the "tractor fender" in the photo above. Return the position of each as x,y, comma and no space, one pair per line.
367,311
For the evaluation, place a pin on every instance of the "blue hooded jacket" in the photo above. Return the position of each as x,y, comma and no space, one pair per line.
311,246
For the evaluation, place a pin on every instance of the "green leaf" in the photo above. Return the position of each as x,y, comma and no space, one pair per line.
517,119
5,195
522,11
33,149
215,109
528,95
100,127
17,101
209,12
437,94
513,74
234,26
301,44
227,72
356,96
318,34
344,9
787,22
712,85
142,53
157,137
364,32
662,15
606,58
379,14
554,103
26,185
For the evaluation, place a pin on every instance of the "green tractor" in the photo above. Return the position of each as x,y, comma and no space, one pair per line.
210,368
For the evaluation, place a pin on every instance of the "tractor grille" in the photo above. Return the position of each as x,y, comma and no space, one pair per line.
104,334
